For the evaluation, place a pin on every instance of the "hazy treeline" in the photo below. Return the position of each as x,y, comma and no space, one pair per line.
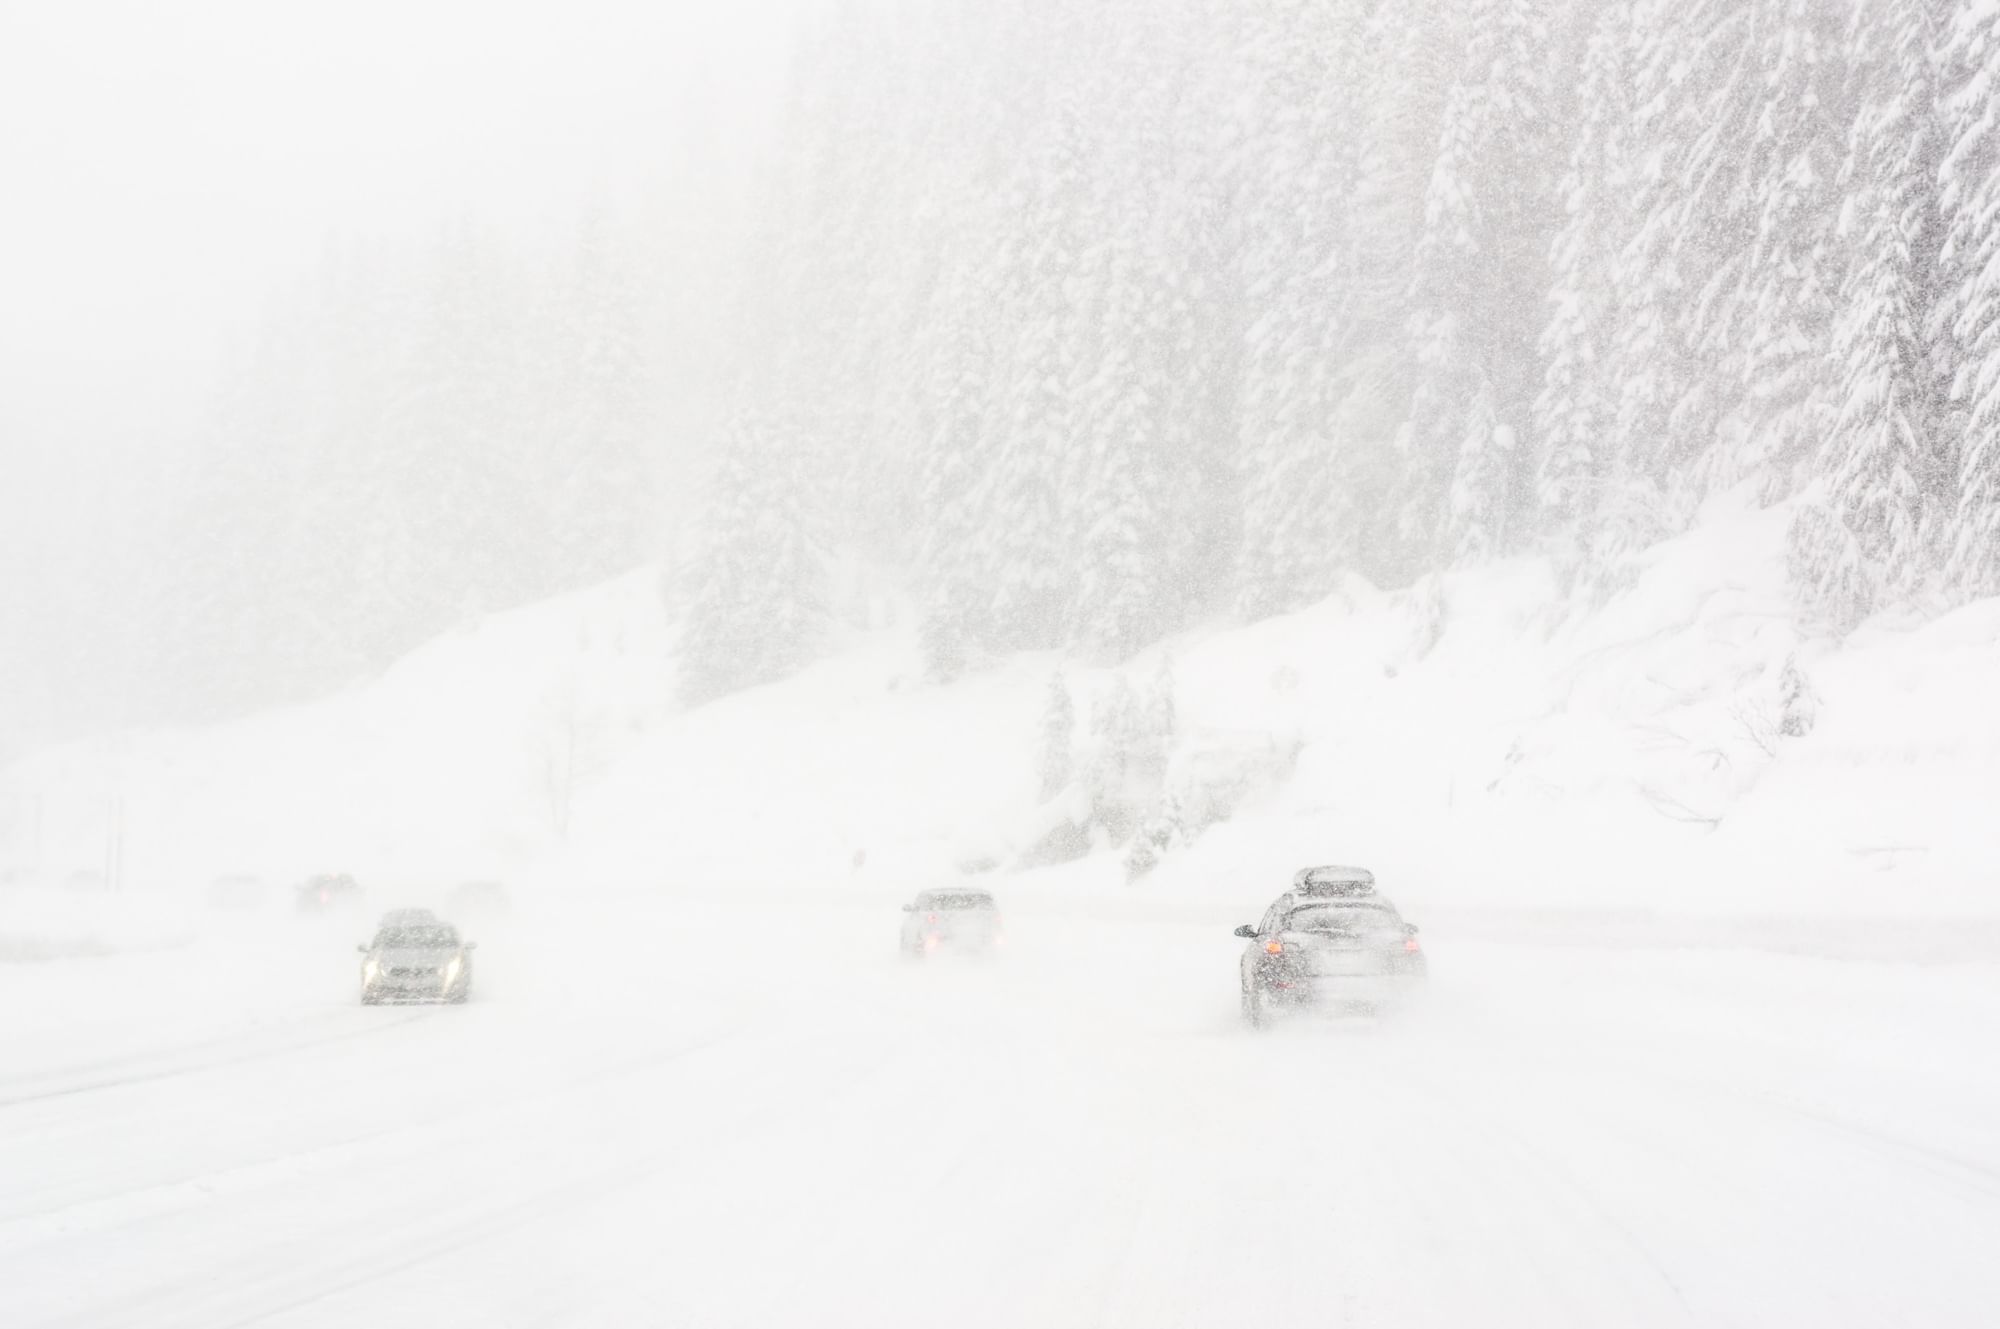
416,434
1105,317
419,439
1101,318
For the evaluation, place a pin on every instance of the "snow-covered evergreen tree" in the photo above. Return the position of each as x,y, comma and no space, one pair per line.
1479,269
1024,541
1116,774
755,593
1693,95
1299,166
598,414
954,449
1777,295
1054,759
1162,704
1864,533
1970,197
1577,406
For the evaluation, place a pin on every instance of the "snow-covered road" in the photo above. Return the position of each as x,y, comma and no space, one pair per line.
699,1110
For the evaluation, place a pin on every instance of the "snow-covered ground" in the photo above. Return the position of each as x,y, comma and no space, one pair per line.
689,1107
1709,1042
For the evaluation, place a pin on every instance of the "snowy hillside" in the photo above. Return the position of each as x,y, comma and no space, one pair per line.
1105,320
1479,745
1471,739
464,754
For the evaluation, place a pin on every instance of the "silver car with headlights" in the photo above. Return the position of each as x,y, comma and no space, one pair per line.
415,957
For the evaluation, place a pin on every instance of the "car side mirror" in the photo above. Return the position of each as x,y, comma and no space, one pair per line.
361,950
909,908
471,945
1246,931
1410,928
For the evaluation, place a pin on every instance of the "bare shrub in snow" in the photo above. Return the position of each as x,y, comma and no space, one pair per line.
1758,721
1799,703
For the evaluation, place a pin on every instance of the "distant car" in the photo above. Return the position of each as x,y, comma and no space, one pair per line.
236,890
963,920
1328,943
328,890
415,957
479,899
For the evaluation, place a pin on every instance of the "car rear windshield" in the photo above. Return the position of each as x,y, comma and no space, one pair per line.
417,938
957,900
1339,918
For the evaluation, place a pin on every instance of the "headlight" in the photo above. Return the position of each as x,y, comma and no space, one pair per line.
370,968
451,971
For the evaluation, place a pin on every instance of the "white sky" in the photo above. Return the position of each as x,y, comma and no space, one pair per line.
166,165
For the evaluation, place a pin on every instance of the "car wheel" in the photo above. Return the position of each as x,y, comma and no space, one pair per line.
1255,1013
460,997
369,999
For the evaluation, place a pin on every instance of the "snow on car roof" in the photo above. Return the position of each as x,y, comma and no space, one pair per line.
1320,904
1334,874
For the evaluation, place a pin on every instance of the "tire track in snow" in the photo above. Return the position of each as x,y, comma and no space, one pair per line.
389,1250
179,1068
1446,1108
1967,1174
209,1183
1961,1173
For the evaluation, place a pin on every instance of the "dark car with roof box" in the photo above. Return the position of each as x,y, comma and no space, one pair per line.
1332,942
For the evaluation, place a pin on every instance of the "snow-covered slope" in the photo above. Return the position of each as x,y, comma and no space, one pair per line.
455,760
1479,745
1475,744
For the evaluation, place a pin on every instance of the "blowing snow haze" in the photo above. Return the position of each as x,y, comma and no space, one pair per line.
226,224
1000,662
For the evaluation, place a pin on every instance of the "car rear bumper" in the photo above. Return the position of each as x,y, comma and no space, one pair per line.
962,941
403,994
1345,991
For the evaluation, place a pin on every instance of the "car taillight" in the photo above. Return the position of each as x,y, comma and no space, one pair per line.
1410,945
1274,948
930,918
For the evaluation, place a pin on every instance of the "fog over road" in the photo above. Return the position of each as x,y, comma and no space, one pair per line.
696,1109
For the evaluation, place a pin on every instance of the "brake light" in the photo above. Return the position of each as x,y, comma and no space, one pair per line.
930,918
1274,948
1410,945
